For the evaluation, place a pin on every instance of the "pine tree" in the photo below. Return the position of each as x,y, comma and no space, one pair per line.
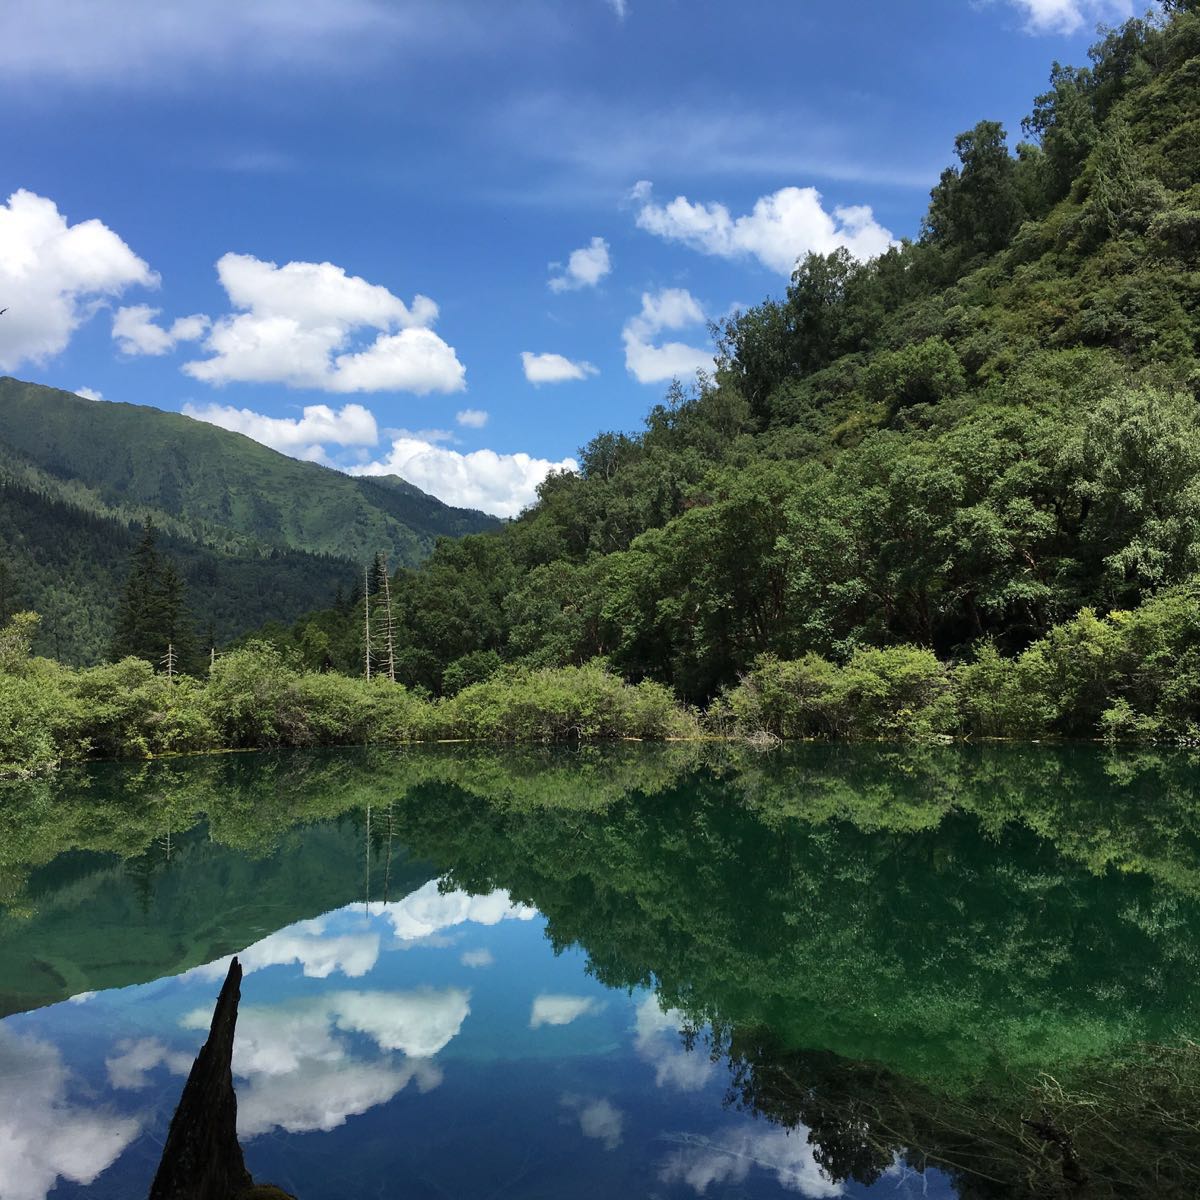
8,592
137,614
176,619
153,612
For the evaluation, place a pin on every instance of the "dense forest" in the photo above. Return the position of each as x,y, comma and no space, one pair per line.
982,442
254,535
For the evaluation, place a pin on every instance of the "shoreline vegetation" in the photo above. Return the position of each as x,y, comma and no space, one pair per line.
1127,676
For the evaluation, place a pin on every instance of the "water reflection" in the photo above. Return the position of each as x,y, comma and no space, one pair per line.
50,1126
819,974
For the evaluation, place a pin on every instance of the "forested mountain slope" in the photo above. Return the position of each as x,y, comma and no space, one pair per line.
256,535
965,441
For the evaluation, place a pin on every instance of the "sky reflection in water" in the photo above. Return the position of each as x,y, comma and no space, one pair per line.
429,1046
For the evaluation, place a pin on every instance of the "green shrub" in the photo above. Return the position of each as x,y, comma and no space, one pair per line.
900,692
896,692
921,373
251,698
790,699
32,710
553,704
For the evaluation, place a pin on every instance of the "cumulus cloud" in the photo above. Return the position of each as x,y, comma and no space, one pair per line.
87,393
428,911
585,267
599,1119
130,1067
304,436
44,1137
501,484
482,957
53,276
136,332
669,309
471,418
1067,16
781,228
418,1023
554,368
302,324
552,1009
310,944
656,1039
320,1096
300,1075
728,1158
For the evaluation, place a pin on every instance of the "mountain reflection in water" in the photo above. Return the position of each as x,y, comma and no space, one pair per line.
955,972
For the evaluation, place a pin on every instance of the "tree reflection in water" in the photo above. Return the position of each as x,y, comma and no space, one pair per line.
976,959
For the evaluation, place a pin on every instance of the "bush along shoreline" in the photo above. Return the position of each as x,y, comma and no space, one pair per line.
1127,676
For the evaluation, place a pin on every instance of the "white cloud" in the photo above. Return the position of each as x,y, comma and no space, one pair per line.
554,368
1067,16
599,1119
621,8
53,276
428,911
671,308
297,325
585,267
501,484
130,1067
471,418
299,1075
418,1023
323,1095
782,228
87,393
728,1158
136,332
304,437
482,957
656,1039
43,1137
307,943
552,1009
640,192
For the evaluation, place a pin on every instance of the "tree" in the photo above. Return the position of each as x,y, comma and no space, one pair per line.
975,208
153,612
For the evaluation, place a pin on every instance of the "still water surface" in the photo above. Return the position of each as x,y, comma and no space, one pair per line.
641,971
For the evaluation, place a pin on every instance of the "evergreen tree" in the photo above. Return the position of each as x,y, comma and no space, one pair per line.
137,616
153,612
176,619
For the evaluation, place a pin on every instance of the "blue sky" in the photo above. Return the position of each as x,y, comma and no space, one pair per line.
455,239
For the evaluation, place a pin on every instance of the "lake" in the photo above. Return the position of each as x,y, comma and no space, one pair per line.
662,971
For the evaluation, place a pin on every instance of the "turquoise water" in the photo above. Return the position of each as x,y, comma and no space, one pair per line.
630,972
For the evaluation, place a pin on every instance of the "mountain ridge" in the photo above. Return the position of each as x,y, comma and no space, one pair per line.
260,536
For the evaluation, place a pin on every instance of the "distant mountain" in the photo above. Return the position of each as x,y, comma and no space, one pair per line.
258,536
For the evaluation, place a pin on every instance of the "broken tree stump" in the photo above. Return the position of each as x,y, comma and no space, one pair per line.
202,1158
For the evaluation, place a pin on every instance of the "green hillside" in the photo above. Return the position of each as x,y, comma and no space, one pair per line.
959,444
256,535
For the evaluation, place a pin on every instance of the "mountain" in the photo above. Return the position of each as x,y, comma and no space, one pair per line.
257,536
984,438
